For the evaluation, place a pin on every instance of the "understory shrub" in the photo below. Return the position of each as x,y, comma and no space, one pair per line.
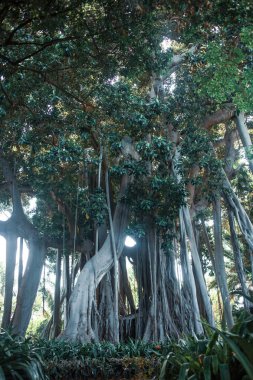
225,355
220,355
19,359
105,360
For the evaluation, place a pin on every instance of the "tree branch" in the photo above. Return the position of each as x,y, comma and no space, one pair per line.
220,116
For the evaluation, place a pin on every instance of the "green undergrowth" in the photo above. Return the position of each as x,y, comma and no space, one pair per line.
104,360
58,360
220,355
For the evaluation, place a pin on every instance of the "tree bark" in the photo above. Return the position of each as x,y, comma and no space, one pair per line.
197,264
241,216
57,298
219,262
126,285
238,257
11,251
79,326
244,136
208,245
19,225
115,261
20,262
29,287
188,276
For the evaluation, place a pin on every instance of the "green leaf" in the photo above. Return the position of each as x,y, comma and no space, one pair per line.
212,342
183,371
163,373
2,375
207,367
215,364
247,365
224,371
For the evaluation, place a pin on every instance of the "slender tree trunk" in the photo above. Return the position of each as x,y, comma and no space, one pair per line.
151,332
194,251
237,208
189,277
29,287
154,276
208,245
73,272
107,309
115,262
11,251
197,264
219,262
98,185
126,285
241,216
237,256
251,265
57,298
20,262
66,284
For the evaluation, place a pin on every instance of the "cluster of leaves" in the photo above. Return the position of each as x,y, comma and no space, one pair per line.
221,354
19,359
93,206
224,355
23,359
111,368
155,200
63,350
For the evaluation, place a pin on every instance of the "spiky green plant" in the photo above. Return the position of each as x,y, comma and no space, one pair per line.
19,359
225,355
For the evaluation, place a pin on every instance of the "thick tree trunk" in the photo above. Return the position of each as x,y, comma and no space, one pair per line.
150,332
106,310
29,287
11,251
19,223
220,264
79,326
244,136
159,297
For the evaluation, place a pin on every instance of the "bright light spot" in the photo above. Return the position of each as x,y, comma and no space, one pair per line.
31,207
130,242
5,215
166,44
113,80
209,223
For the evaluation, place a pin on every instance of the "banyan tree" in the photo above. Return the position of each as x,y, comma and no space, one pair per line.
127,118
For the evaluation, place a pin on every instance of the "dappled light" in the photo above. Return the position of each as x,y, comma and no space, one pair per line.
126,176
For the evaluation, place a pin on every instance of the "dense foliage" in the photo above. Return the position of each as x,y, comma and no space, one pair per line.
129,117
218,355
